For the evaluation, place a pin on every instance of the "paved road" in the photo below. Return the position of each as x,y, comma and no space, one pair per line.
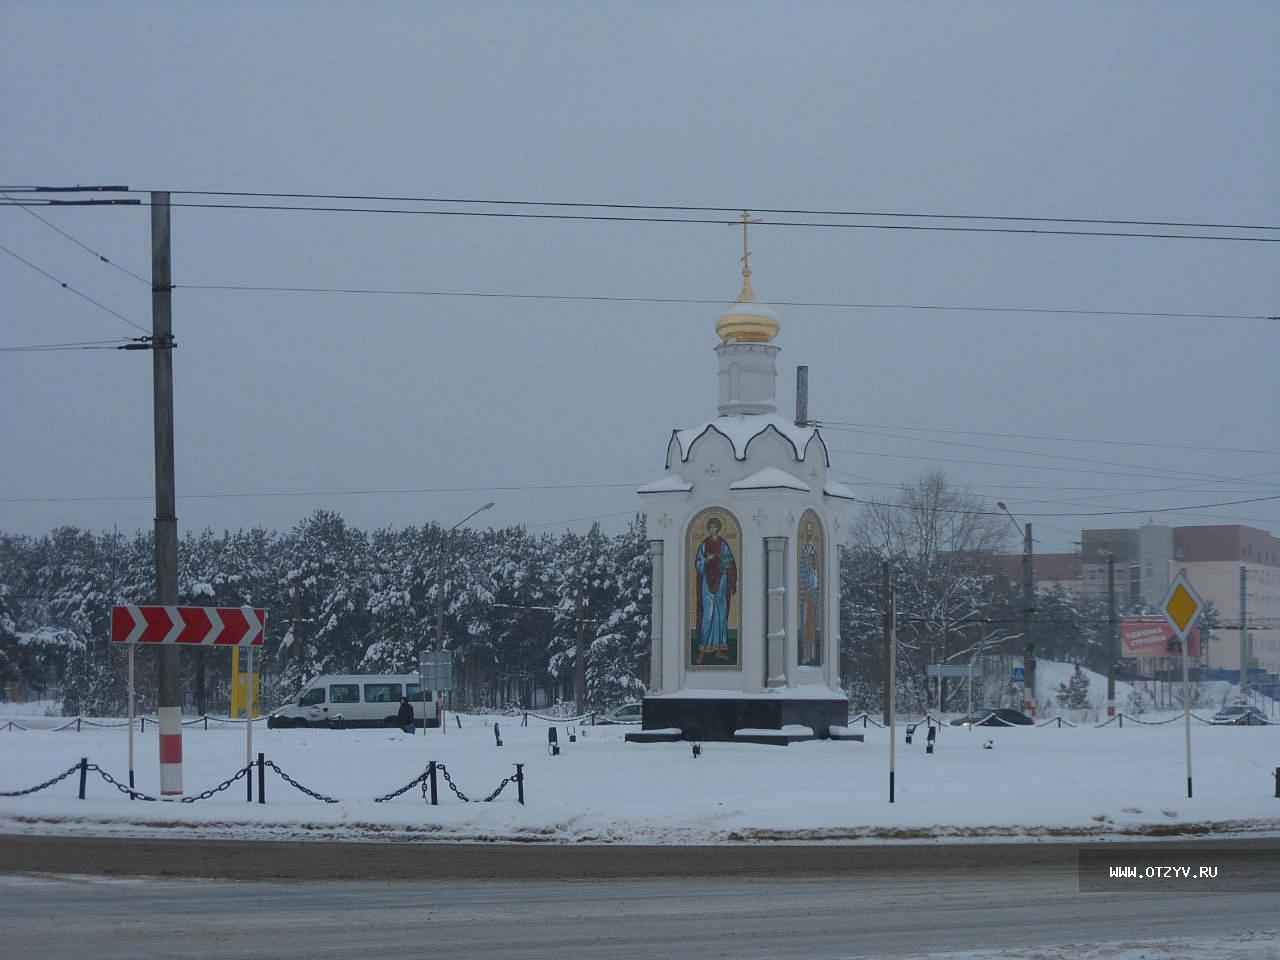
713,902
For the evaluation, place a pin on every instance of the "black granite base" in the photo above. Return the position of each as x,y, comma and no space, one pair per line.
653,736
716,718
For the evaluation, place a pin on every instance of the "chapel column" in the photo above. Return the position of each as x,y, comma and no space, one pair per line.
655,618
775,611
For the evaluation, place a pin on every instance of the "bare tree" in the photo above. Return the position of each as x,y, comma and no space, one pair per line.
940,542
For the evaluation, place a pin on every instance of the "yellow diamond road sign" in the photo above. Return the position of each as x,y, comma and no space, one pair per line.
1182,606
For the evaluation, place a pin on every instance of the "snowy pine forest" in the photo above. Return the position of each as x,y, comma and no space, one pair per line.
340,600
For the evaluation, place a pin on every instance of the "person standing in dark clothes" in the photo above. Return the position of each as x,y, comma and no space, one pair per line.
405,715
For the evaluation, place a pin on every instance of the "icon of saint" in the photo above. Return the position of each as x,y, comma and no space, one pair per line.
717,583
810,600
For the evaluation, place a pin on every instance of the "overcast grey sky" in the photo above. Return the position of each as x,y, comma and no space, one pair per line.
1137,111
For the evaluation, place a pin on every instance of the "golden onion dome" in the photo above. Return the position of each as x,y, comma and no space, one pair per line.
747,320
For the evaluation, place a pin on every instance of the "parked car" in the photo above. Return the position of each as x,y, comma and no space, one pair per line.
357,700
627,713
994,717
1239,716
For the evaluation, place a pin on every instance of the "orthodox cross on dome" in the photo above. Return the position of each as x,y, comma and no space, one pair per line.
747,220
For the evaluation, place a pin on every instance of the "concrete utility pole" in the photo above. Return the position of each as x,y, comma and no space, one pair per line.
580,659
1244,632
169,673
295,649
892,722
1112,653
1028,610
886,630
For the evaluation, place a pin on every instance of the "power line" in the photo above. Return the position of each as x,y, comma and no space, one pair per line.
607,218
67,286
1101,513
1074,501
263,288
700,209
1031,453
1011,466
82,246
598,516
835,424
328,493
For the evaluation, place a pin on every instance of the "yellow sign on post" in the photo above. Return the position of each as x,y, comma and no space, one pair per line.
1182,606
244,686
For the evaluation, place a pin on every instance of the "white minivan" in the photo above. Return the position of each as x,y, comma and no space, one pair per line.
357,700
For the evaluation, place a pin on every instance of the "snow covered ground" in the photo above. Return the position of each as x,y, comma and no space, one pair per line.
1249,946
1033,783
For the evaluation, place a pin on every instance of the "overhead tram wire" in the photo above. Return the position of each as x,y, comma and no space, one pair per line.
118,344
613,218
81,245
588,298
706,209
67,286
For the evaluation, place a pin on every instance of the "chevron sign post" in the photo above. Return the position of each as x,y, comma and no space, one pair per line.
134,624
215,626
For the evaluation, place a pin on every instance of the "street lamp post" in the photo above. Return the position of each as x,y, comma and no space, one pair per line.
1028,609
444,542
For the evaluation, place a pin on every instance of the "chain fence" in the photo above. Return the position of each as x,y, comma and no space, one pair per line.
577,719
518,776
419,780
297,786
82,721
139,795
41,786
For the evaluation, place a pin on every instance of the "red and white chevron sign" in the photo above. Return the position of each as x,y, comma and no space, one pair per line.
216,626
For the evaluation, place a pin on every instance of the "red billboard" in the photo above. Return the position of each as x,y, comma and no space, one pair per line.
1154,637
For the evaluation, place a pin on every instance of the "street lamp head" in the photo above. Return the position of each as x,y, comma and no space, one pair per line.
1000,504
485,507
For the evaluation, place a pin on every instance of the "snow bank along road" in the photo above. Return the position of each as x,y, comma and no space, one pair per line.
924,900
1033,782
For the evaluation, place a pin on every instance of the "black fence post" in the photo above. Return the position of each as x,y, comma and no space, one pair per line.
206,721
431,782
77,724
84,772
262,779
248,784
1121,716
553,742
497,734
525,721
520,783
